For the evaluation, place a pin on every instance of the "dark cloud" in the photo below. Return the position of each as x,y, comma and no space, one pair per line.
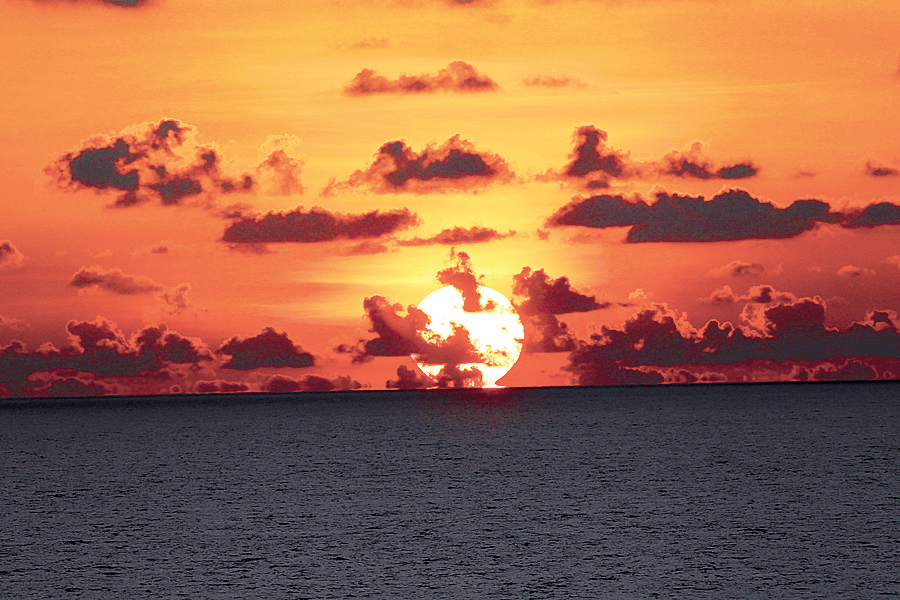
282,384
542,295
402,335
219,386
592,159
875,170
879,213
268,349
552,82
459,235
545,333
453,166
316,225
452,375
693,164
98,350
458,76
759,294
10,256
117,282
409,379
786,333
738,268
462,276
729,215
164,162
113,280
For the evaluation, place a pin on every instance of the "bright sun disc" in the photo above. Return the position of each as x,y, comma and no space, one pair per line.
496,334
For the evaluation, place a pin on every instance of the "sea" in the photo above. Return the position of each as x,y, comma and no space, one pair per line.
694,491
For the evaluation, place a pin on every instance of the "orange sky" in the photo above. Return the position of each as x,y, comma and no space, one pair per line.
805,93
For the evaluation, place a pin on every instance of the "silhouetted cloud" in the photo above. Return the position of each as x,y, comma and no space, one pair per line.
459,235
591,155
283,384
453,166
729,215
546,333
462,276
165,162
738,268
409,379
113,280
693,164
10,256
316,225
542,295
458,76
758,294
452,375
98,350
875,170
402,335
879,213
781,334
220,387
268,349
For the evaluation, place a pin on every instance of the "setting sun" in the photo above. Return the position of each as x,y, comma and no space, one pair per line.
495,332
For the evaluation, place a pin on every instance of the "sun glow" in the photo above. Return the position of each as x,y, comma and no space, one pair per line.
496,332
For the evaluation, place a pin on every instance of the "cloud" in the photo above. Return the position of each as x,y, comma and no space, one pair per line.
281,384
316,225
453,166
219,386
409,379
458,76
10,256
875,170
730,215
452,376
268,349
873,215
370,43
788,333
852,271
97,350
591,157
758,294
164,162
539,294
553,82
116,282
462,276
546,333
738,268
113,280
405,334
459,235
692,163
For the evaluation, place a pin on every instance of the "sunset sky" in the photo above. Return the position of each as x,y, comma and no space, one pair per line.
212,196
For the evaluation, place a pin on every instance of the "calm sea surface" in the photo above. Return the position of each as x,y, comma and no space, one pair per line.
765,491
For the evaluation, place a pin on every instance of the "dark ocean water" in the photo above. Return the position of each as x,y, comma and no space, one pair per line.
761,491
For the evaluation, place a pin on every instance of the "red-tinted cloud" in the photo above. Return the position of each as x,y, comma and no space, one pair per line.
113,280
283,384
453,166
459,235
316,225
738,268
875,170
552,82
268,349
219,386
458,76
10,256
162,162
